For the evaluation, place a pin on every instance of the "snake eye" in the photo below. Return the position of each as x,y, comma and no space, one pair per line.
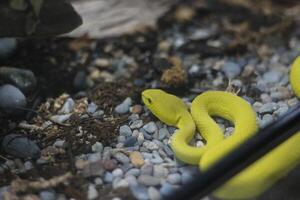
149,100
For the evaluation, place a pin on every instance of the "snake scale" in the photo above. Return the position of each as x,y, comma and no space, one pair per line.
253,180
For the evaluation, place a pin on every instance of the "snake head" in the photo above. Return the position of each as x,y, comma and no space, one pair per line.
166,107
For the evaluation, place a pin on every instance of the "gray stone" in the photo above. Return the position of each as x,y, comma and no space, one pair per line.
272,76
146,135
154,194
122,158
174,178
67,107
268,108
133,172
80,81
148,180
60,118
21,147
147,169
121,139
23,79
140,192
98,113
160,171
125,131
131,180
150,127
92,192
266,120
186,177
157,159
97,147
231,69
47,195
163,133
136,124
12,100
124,106
108,177
120,183
130,141
117,173
92,107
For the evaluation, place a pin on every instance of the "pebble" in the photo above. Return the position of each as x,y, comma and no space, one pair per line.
23,79
125,131
133,172
137,109
136,124
167,189
150,127
131,180
174,178
266,119
125,167
124,106
140,192
150,145
7,47
117,173
97,147
148,180
12,100
136,159
147,169
160,172
67,107
47,195
156,159
20,146
108,177
98,181
98,113
120,183
154,194
268,108
92,192
122,158
121,139
231,69
60,118
272,76
163,133
92,107
59,143
130,141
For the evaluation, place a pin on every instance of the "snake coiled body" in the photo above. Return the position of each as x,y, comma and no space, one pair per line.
256,178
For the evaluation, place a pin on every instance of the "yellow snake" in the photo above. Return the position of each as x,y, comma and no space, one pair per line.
256,178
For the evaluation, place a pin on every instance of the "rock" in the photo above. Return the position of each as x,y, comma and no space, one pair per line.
124,106
98,113
122,158
272,76
59,143
148,180
147,169
97,147
7,47
108,177
47,195
136,159
145,134
117,173
231,69
136,124
125,131
92,107
131,180
186,177
167,189
67,107
21,147
160,171
174,178
150,145
150,127
154,194
92,192
60,118
23,79
163,133
120,183
130,141
12,100
140,192
133,172
98,181
98,168
266,120
268,108
139,82
80,81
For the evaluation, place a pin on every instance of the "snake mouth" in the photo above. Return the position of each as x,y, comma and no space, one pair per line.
146,100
